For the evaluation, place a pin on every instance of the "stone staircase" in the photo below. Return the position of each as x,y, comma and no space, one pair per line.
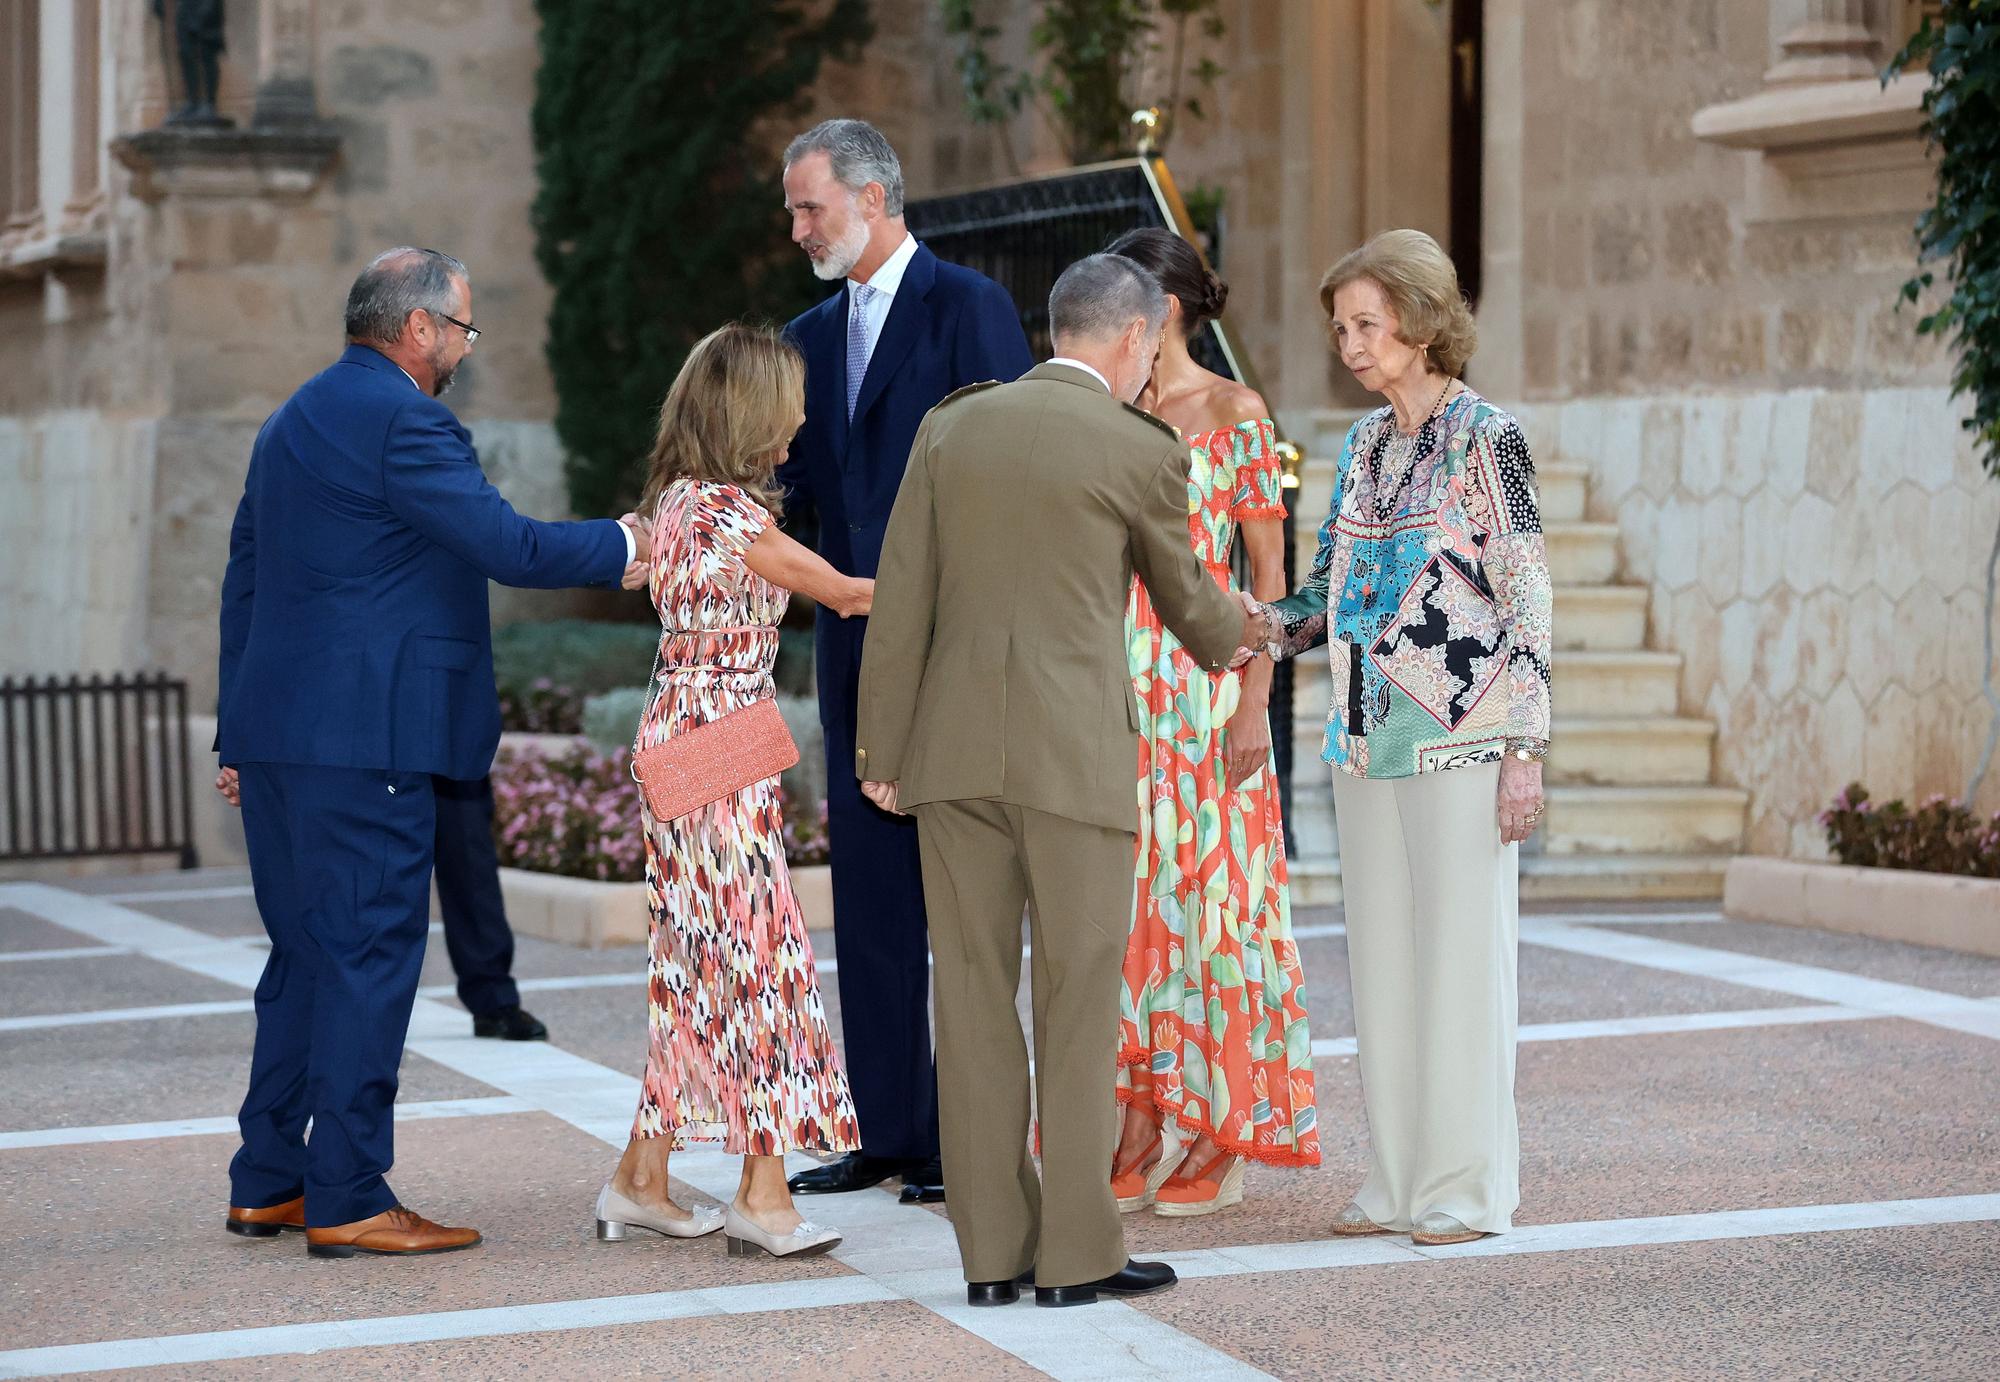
1632,811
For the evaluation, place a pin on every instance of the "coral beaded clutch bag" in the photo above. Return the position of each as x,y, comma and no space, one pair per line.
714,760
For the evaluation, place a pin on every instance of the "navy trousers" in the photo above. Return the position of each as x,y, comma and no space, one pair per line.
476,934
341,862
879,928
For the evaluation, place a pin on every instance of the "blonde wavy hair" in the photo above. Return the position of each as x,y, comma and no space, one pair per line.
1418,278
728,415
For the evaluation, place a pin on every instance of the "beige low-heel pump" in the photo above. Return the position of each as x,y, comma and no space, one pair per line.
615,1214
746,1239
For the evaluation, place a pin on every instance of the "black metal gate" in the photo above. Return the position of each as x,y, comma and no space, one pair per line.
96,766
1024,234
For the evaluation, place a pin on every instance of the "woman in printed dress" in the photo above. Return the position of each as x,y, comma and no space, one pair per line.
739,1046
1431,590
1215,1064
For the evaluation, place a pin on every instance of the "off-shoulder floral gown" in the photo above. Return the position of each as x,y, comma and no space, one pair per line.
1213,1020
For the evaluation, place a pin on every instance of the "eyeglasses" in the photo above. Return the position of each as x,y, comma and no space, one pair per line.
471,331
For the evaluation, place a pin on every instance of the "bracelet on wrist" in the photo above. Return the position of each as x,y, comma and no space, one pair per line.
1527,750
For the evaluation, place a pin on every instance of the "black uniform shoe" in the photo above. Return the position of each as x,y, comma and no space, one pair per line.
510,1024
855,1171
998,1292
1137,1279
925,1185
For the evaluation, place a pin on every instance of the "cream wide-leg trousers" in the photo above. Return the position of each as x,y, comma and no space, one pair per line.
1432,930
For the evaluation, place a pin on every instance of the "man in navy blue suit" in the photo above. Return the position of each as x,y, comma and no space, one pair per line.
356,664
906,330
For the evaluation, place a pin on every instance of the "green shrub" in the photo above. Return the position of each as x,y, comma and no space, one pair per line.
585,656
611,720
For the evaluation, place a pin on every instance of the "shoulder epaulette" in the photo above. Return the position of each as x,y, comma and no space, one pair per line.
957,394
1139,412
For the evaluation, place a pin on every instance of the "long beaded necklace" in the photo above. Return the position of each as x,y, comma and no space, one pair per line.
1397,457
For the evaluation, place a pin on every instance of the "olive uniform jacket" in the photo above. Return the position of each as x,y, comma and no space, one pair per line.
995,667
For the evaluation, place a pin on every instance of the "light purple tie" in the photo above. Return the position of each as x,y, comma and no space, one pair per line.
857,343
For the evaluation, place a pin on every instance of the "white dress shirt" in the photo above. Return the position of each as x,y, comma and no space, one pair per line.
1087,369
887,279
631,546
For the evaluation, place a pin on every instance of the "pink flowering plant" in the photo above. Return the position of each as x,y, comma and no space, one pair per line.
1939,835
578,814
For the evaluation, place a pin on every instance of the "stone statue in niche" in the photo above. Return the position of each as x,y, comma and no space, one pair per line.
197,35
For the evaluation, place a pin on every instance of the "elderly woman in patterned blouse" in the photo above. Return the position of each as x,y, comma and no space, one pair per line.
1431,591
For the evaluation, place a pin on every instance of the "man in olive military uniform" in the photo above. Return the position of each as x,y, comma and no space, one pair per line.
995,705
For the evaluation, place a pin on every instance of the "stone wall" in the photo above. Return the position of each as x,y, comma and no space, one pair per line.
1818,558
145,384
1646,265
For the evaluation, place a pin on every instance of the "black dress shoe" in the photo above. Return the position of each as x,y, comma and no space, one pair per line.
510,1024
1136,1279
998,1292
855,1171
925,1185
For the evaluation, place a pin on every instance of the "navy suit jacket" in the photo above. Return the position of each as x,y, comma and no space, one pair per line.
354,622
947,327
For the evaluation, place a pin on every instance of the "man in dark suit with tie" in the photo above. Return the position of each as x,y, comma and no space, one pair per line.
356,664
906,330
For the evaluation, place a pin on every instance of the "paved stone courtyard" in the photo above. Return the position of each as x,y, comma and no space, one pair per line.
1746,1151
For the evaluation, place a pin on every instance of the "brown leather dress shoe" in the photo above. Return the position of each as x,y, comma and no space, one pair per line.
396,1232
268,1222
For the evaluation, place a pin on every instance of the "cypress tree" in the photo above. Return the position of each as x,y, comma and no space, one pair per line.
660,210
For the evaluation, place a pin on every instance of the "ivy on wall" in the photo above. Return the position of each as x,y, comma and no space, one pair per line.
1091,53
1959,43
660,210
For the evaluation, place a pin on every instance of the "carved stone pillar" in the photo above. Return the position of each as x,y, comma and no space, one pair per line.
86,183
285,64
1832,43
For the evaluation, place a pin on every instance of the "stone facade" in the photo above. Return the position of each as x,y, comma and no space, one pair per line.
1817,556
1695,219
130,390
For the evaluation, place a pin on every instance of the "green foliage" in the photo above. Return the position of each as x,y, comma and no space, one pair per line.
583,657
1961,49
1090,52
659,212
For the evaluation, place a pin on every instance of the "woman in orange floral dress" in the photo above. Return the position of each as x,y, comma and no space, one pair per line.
1215,1063
739,1046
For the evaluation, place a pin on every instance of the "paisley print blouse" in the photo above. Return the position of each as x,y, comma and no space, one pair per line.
1431,590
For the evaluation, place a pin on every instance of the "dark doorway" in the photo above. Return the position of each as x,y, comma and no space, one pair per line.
1468,52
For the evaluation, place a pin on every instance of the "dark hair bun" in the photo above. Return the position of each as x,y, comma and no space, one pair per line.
1179,268
1216,297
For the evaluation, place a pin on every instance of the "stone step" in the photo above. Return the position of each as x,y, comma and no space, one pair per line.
1315,882
1563,487
1602,618
1582,553
1618,685
1643,820
1589,751
1648,751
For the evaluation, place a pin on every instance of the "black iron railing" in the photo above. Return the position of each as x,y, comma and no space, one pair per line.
1024,234
95,766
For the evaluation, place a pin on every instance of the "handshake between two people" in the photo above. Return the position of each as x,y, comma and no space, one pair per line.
641,565
1263,634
